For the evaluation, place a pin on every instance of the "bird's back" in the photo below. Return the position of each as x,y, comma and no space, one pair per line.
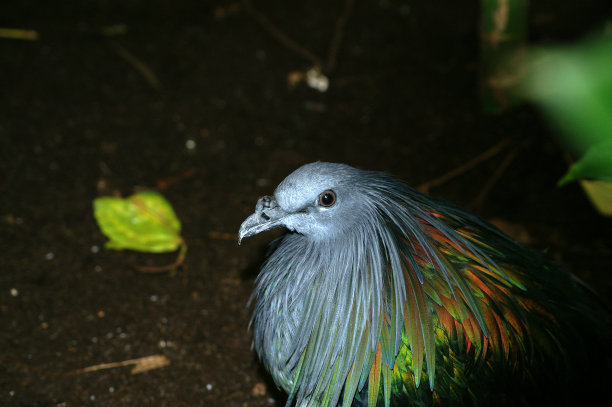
538,339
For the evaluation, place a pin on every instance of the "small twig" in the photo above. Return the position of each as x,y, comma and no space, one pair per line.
18,34
113,30
137,64
479,200
279,35
165,183
222,235
426,186
140,365
338,34
169,267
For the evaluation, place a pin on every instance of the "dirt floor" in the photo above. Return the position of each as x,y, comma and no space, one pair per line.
80,118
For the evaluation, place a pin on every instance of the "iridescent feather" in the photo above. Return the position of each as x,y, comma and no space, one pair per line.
388,295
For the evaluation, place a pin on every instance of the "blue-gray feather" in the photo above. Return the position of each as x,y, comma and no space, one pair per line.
323,293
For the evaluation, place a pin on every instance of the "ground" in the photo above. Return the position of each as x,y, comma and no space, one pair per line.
220,129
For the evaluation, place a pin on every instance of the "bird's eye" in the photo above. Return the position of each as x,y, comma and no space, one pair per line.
327,198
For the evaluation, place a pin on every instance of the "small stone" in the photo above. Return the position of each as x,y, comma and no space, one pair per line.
259,389
190,144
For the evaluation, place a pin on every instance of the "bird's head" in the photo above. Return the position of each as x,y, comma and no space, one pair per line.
318,200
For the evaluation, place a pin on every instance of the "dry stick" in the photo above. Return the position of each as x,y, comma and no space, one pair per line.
426,186
18,34
334,46
140,365
479,200
279,35
222,235
166,182
180,259
170,267
294,46
137,64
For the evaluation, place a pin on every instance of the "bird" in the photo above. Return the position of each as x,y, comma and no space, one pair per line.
380,295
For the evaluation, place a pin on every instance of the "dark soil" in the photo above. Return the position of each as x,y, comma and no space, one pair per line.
77,121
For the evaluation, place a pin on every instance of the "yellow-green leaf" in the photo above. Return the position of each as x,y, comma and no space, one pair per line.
144,222
600,194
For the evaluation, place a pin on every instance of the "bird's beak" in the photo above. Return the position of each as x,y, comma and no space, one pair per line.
268,215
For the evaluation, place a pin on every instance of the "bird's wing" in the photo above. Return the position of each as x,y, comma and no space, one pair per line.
465,306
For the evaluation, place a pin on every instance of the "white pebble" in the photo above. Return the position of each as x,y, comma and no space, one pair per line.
317,80
14,292
49,256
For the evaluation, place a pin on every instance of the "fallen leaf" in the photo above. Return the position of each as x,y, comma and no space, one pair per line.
144,222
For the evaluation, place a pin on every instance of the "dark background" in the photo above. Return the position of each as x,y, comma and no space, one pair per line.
77,121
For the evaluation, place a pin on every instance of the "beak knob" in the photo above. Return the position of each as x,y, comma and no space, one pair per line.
268,215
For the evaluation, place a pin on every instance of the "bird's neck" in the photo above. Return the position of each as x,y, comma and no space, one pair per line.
309,287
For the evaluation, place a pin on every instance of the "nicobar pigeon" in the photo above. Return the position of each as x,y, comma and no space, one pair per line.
379,295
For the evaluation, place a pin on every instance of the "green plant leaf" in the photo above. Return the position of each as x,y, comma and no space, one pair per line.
144,222
573,84
596,164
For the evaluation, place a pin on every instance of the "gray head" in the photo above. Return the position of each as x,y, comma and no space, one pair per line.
318,200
